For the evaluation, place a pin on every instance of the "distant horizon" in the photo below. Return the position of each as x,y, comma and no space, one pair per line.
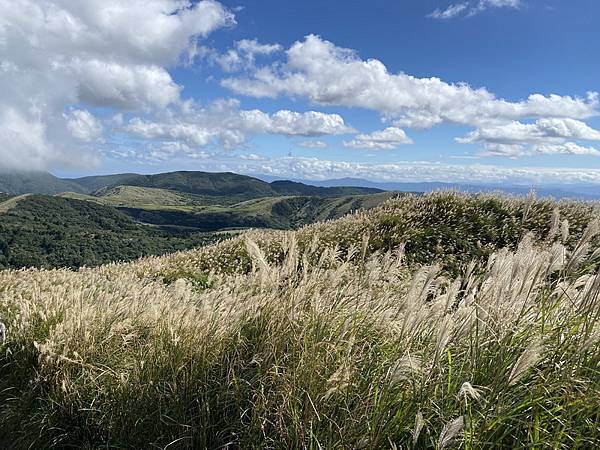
271,177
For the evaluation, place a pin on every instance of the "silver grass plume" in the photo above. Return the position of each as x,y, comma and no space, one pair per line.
256,255
469,392
528,204
405,368
564,231
365,246
583,246
554,225
526,361
418,427
450,431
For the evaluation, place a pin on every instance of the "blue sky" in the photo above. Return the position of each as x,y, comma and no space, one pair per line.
490,91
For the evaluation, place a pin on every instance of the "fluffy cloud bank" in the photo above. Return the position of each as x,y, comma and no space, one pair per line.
225,124
105,53
66,65
409,171
325,74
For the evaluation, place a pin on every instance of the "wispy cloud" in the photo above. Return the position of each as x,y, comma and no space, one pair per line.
387,139
469,9
450,12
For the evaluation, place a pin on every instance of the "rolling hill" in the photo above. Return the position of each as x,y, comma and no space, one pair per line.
271,212
94,220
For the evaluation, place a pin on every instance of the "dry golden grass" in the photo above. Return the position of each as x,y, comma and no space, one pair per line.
334,336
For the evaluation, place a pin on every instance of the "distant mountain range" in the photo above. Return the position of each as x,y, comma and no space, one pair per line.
198,183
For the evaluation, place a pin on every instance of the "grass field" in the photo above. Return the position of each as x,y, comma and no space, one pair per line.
440,321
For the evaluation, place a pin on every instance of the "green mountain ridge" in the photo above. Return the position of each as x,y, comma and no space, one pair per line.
36,183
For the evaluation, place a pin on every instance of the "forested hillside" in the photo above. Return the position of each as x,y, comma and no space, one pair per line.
42,231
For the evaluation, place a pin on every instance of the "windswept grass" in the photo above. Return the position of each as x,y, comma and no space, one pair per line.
448,228
335,336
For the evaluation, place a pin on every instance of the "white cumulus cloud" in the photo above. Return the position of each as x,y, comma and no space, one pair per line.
544,136
325,74
83,125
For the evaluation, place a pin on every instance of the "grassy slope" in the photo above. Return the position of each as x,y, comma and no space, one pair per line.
211,213
329,337
285,187
140,197
157,198
132,195
7,203
449,228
